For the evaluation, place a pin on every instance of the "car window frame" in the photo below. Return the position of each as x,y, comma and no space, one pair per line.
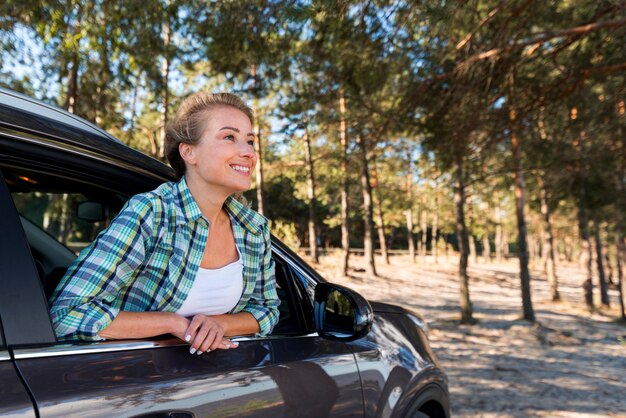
23,307
298,296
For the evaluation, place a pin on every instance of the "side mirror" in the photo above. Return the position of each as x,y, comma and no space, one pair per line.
91,211
341,313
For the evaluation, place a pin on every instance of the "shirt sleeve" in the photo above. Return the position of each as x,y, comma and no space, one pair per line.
263,303
89,295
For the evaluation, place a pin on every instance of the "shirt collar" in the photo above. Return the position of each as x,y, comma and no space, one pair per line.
246,217
188,210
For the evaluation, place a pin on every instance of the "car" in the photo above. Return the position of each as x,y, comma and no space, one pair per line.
332,354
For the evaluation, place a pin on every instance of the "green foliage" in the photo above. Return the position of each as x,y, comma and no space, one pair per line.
440,77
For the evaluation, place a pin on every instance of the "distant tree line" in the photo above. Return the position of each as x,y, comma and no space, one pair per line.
479,126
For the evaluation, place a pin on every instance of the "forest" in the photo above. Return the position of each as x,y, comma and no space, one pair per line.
483,129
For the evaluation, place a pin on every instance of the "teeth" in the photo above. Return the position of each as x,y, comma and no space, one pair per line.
241,168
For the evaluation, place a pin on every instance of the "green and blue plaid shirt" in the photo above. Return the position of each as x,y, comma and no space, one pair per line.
148,257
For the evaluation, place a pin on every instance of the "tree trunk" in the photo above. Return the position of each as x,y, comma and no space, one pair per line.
531,249
486,248
569,249
71,100
345,232
151,138
620,273
133,114
258,144
409,230
366,190
604,291
609,268
165,77
586,256
424,229
64,219
556,247
527,306
310,180
535,248
621,110
259,170
471,238
434,239
380,220
505,245
607,259
380,226
461,231
498,237
409,210
549,242
72,88
106,75
472,248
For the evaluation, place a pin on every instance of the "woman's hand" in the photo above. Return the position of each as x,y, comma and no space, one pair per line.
179,326
206,333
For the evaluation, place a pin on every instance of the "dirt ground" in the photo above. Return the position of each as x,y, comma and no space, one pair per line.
572,363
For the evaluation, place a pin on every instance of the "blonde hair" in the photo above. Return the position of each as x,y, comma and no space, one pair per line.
189,122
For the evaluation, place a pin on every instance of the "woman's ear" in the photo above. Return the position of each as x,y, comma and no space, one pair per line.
187,153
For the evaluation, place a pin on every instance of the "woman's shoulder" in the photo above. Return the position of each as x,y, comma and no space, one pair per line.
157,201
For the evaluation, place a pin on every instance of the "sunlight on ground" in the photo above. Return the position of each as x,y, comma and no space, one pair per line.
572,363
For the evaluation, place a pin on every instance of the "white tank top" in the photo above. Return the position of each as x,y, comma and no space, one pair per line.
214,291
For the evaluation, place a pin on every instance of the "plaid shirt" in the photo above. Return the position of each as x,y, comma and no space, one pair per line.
148,257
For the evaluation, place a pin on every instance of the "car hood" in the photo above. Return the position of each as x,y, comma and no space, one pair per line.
383,307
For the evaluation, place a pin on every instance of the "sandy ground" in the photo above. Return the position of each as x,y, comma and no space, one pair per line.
572,363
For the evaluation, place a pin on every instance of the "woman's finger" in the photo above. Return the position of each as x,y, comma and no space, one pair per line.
192,329
198,339
211,336
218,341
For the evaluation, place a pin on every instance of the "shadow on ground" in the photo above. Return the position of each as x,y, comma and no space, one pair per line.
570,363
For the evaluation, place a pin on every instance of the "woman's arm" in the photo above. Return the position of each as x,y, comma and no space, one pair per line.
263,303
87,299
203,332
144,325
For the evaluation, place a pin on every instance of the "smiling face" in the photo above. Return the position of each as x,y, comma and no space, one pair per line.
224,158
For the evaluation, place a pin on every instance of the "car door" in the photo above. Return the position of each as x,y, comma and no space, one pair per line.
279,376
293,372
14,398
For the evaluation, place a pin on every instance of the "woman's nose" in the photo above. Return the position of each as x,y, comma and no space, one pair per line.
248,151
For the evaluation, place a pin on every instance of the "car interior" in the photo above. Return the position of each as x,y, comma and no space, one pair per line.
57,231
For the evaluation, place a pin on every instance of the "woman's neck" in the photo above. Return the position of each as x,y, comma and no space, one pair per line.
209,201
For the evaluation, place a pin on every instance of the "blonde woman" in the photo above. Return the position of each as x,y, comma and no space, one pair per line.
188,258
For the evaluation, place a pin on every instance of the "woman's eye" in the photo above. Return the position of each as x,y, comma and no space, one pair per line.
229,137
251,142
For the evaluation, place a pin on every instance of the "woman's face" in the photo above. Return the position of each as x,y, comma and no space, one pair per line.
224,158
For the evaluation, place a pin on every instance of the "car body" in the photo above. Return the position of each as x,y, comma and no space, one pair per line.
373,362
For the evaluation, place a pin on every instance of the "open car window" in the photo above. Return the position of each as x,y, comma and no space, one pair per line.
60,217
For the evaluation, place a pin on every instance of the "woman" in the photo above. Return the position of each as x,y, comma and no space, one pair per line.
187,258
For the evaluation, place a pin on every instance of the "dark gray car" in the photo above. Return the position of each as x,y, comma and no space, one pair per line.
332,353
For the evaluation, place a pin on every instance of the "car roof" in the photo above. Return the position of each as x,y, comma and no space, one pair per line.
44,123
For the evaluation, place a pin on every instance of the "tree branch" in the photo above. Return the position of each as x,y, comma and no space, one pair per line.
534,43
482,23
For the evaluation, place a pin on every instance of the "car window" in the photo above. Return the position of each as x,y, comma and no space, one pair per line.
60,217
56,214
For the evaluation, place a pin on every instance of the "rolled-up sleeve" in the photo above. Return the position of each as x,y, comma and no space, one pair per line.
88,297
264,302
